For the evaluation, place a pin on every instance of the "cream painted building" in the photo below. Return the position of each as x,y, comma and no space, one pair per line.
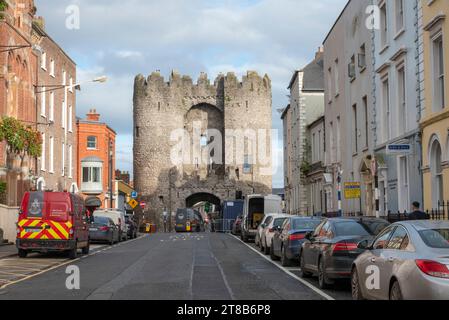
435,121
306,106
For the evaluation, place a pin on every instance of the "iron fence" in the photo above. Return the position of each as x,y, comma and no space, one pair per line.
222,225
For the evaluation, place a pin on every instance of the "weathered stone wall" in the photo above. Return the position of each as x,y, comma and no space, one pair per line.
162,107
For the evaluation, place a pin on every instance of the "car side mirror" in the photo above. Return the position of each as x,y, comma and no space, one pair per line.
364,245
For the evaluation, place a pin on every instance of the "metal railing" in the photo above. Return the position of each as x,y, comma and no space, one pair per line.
222,225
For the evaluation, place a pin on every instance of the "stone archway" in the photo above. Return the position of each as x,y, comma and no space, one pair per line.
196,198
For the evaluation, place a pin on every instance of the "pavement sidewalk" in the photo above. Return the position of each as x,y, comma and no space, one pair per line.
7,251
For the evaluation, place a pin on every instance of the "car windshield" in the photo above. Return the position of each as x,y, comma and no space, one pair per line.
303,224
437,238
360,227
279,222
101,220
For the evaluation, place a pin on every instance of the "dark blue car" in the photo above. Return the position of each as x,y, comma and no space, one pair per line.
289,238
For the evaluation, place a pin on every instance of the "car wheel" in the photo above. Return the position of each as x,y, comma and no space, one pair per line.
266,249
322,276
395,292
284,260
355,286
272,255
302,265
86,249
23,253
73,253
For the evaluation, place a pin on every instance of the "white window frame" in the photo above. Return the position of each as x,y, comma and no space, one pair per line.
51,111
64,77
70,84
64,115
70,161
44,61
399,16
43,153
402,105
63,159
386,108
52,154
336,78
439,94
43,102
52,68
70,121
383,25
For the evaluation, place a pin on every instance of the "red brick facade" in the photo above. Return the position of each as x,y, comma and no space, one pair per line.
95,152
17,85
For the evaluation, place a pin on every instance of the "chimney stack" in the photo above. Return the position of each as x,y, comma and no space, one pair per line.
93,115
319,53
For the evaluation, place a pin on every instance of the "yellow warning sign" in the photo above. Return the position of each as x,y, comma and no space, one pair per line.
133,203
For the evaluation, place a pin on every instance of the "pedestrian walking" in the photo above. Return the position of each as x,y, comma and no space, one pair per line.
165,215
417,214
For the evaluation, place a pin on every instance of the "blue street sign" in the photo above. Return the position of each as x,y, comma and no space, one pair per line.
134,194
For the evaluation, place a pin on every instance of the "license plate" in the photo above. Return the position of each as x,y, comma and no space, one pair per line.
33,230
93,229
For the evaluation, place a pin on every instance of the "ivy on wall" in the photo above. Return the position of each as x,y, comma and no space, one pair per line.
3,5
20,139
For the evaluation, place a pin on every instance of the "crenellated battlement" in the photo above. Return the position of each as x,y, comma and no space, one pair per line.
176,80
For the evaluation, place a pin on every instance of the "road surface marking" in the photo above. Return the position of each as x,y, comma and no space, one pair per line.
64,263
307,284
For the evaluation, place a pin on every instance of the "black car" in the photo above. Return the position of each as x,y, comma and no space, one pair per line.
288,239
330,250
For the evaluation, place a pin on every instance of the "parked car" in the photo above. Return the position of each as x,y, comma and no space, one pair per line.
260,229
412,259
266,239
132,226
288,239
255,207
103,229
330,250
52,221
119,219
237,226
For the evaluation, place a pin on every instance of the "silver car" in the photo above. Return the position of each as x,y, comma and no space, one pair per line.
407,261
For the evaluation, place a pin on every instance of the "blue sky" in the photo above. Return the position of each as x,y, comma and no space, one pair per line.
124,38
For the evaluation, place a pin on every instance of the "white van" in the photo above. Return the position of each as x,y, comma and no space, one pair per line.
254,210
119,219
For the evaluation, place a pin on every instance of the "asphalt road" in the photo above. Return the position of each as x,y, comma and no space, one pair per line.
204,266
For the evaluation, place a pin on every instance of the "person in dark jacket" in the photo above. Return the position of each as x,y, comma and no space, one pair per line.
417,214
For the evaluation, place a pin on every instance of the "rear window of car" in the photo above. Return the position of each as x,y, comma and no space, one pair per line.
351,228
437,238
279,222
101,220
299,224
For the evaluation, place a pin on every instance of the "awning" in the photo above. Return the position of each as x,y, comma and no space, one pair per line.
92,202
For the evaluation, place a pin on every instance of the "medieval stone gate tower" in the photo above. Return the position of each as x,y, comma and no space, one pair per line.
231,114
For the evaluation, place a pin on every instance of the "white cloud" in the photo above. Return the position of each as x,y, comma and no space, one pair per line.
123,38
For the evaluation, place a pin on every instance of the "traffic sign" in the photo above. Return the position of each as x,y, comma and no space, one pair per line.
143,205
133,203
134,194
